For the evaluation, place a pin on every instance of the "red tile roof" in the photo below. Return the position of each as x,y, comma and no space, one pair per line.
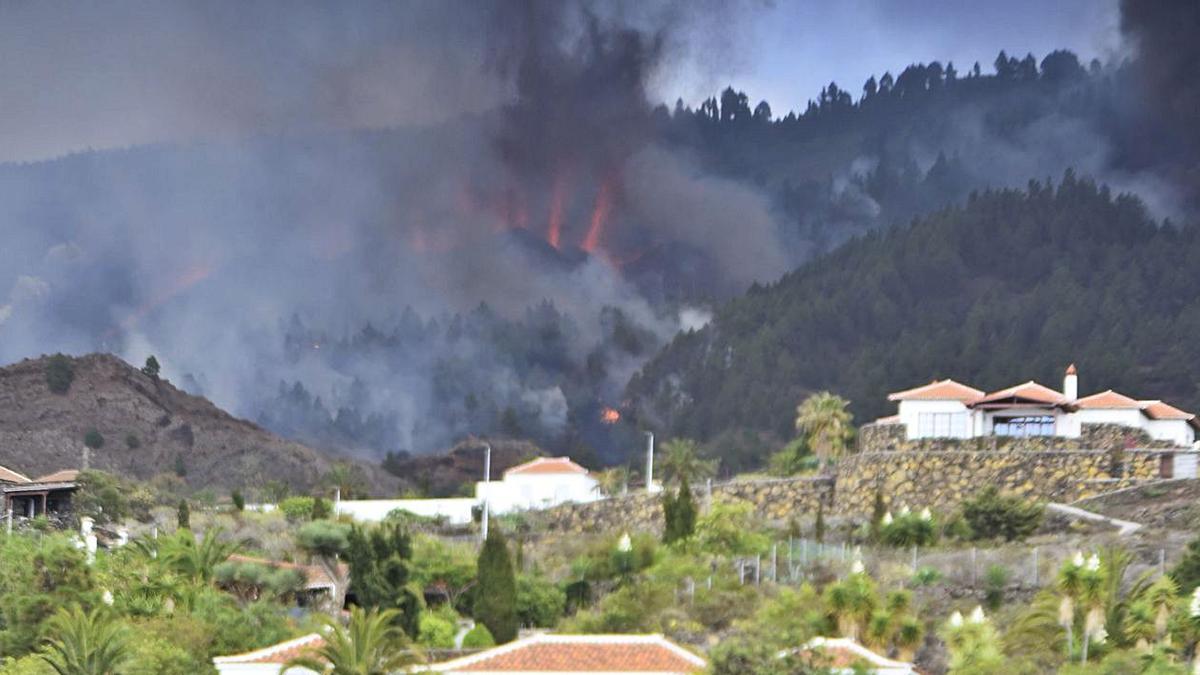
9,476
1028,391
938,390
547,465
580,654
1157,410
63,476
280,653
1109,400
846,653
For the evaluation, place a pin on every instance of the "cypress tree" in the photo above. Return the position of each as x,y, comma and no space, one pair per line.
877,514
679,514
184,515
496,590
379,571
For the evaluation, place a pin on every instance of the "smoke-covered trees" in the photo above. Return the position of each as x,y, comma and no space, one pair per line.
1012,285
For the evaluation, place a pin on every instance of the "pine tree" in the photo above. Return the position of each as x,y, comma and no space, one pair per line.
184,515
496,592
152,367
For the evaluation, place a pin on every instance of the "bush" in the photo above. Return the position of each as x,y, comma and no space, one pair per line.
992,515
239,502
540,603
925,576
436,630
298,508
59,374
995,578
93,439
478,638
132,441
1186,574
909,529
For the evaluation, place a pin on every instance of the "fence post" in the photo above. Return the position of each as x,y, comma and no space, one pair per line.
775,563
914,559
758,569
972,566
804,552
1162,562
1035,567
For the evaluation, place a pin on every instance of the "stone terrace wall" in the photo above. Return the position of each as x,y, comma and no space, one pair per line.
890,438
943,479
774,499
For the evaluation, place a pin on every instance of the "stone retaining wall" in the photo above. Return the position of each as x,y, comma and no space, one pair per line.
937,479
941,480
877,437
774,499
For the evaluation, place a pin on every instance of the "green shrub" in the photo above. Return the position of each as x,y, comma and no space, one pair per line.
59,374
93,439
995,578
992,515
540,603
478,638
132,441
436,630
298,508
925,576
239,502
909,529
496,592
321,508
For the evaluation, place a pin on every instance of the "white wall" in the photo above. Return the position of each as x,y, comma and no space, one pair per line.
1178,432
909,412
519,492
455,511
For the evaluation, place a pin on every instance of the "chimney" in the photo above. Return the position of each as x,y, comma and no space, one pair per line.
1071,384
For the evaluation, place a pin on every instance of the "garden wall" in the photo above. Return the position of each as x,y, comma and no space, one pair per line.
916,479
877,437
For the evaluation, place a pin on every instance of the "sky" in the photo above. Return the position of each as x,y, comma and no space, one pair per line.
106,75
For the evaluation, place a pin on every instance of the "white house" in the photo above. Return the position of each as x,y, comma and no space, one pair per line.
949,409
542,483
539,484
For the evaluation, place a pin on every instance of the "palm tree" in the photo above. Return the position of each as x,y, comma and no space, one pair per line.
824,418
85,643
614,481
681,459
372,643
196,560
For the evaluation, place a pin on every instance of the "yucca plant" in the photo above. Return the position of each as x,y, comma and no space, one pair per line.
86,643
372,643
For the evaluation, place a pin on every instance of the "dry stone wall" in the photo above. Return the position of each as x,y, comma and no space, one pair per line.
876,437
938,479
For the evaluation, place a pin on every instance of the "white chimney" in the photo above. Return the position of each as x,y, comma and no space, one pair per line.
1071,384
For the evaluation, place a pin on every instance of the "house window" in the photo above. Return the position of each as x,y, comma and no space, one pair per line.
942,425
1038,425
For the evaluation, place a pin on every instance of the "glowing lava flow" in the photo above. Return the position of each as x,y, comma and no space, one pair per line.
599,215
557,206
610,416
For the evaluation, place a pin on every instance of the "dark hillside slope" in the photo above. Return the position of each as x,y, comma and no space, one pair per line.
147,427
1009,287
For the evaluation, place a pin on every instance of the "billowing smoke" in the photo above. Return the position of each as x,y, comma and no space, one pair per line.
396,288
1166,78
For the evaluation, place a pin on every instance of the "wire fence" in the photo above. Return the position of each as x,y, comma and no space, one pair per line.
797,560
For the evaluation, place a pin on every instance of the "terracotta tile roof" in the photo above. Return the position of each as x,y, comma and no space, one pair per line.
314,575
280,653
1028,391
580,654
1157,410
1109,400
9,476
938,390
546,465
64,476
846,653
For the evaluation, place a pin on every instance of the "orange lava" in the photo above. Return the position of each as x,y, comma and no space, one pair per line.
557,205
599,215
610,416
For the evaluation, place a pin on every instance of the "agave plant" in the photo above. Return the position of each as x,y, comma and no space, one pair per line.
85,643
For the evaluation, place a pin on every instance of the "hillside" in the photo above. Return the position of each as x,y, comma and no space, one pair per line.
1008,287
148,427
